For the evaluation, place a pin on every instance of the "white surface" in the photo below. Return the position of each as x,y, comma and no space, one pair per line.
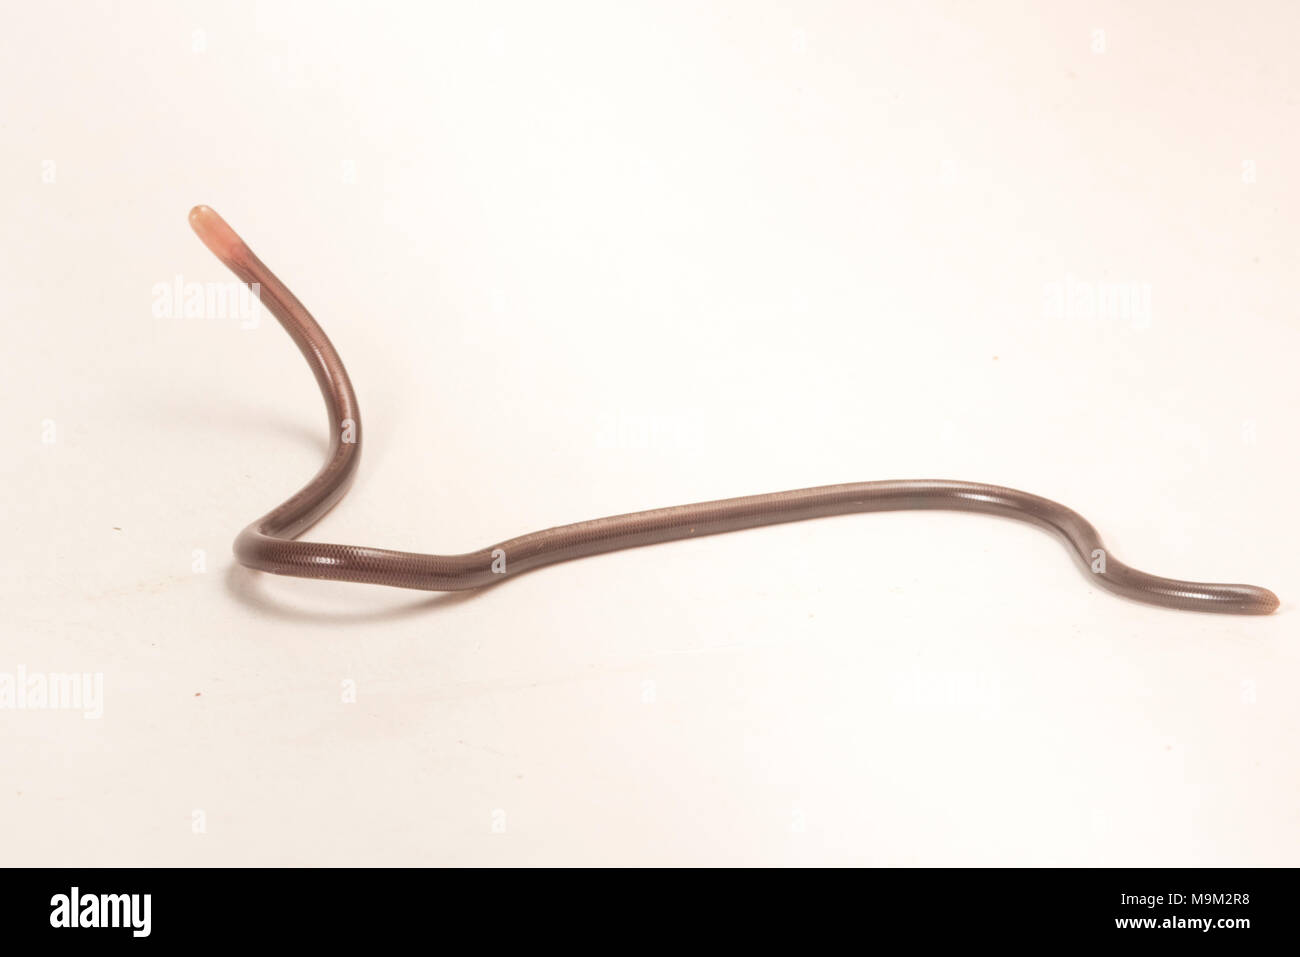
596,258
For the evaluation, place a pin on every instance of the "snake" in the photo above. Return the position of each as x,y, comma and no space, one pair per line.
272,544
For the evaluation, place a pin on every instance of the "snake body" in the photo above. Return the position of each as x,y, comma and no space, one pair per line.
271,544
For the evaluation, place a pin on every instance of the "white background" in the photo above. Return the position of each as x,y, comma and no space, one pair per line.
582,259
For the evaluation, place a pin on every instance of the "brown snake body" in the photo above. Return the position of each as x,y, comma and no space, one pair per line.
269,543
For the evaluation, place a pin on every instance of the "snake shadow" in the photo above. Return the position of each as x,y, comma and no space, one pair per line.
248,586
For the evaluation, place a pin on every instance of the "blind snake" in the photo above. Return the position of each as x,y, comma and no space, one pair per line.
270,542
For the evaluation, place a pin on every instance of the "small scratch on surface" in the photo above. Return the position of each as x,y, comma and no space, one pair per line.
485,748
147,587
